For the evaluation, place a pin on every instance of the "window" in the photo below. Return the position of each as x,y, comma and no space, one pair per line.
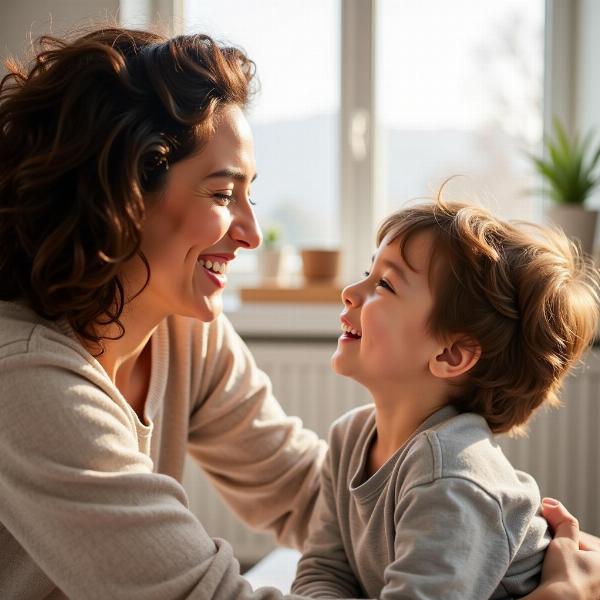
367,104
295,45
460,91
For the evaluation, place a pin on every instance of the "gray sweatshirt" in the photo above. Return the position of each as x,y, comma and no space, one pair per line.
446,516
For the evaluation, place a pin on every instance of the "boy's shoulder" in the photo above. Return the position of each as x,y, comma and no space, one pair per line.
463,447
352,425
356,418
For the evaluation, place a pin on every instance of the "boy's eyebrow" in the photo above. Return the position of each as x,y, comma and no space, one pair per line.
230,173
392,265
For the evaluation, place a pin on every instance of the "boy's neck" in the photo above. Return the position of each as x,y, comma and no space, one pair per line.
397,417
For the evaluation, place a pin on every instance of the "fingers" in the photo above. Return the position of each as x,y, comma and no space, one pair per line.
562,522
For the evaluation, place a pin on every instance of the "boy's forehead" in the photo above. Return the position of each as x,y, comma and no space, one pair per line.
417,250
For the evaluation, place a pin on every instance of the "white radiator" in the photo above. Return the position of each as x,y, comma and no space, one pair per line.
562,451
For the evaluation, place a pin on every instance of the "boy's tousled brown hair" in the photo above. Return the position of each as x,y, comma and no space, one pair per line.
87,132
525,294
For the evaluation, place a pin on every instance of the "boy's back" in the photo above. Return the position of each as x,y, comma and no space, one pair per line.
445,517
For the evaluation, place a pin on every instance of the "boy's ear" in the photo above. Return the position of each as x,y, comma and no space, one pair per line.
458,356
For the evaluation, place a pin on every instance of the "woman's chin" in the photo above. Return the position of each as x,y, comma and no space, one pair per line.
209,310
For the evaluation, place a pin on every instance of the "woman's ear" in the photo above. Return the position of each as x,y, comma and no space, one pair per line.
456,357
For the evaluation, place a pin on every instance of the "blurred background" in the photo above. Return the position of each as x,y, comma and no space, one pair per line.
366,105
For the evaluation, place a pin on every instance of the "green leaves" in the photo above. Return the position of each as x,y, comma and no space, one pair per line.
271,237
569,170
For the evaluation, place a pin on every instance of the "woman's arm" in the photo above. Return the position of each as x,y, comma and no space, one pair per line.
82,509
263,462
571,569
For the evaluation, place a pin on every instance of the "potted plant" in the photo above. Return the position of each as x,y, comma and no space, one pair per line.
271,257
569,171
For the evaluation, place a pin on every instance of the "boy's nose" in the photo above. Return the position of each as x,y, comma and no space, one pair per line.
351,295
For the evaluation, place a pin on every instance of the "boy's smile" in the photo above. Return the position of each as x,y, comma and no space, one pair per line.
385,337
350,332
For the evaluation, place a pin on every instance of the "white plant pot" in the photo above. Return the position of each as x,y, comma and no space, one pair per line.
578,222
271,265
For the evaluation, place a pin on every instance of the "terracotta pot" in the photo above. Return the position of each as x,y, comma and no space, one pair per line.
578,222
320,266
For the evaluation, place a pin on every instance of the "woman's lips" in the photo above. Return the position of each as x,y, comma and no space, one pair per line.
219,279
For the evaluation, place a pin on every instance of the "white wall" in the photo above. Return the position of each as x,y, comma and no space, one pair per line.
587,59
21,20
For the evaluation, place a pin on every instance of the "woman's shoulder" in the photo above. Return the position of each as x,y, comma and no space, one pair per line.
25,334
53,393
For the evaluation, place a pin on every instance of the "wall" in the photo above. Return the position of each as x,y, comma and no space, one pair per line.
22,20
587,58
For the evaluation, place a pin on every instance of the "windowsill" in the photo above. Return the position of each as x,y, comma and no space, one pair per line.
284,320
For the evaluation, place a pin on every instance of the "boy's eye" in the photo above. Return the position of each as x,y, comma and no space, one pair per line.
384,284
223,199
366,274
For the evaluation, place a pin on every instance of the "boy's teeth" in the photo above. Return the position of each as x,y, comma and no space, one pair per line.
348,329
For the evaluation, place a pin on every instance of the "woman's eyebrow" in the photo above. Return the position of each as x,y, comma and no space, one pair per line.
231,173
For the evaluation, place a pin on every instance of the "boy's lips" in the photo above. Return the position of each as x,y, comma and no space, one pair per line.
350,332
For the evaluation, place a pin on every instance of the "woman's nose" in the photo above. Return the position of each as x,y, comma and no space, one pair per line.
245,229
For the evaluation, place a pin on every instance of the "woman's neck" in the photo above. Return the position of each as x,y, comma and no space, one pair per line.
122,352
127,359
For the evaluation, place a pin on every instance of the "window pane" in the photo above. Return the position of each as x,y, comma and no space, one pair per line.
295,45
460,91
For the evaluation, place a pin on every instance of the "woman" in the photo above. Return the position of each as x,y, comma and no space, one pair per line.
125,172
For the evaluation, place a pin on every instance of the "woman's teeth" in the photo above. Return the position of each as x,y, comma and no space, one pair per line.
348,329
215,267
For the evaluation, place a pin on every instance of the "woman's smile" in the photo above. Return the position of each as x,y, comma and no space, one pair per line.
215,268
192,231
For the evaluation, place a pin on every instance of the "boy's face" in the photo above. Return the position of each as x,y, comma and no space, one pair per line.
389,311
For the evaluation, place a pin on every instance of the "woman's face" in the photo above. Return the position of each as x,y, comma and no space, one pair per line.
197,223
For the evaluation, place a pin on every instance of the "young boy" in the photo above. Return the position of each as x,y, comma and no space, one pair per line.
463,327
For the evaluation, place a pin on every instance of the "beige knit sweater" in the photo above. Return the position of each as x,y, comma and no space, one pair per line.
91,504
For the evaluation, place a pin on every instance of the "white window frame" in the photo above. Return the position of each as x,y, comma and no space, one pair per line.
361,203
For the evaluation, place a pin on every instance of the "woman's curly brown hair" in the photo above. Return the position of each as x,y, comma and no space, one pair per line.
86,133
525,294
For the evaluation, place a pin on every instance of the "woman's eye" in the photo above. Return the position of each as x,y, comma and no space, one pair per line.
223,199
366,274
251,202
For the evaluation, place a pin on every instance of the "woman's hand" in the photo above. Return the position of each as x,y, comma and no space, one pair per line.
572,564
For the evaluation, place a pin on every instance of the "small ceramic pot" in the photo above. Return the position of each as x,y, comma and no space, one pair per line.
271,265
577,222
320,266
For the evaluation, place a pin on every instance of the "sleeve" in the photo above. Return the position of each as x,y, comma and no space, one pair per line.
324,570
263,463
450,543
82,500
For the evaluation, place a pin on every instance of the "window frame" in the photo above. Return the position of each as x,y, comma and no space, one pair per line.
361,203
